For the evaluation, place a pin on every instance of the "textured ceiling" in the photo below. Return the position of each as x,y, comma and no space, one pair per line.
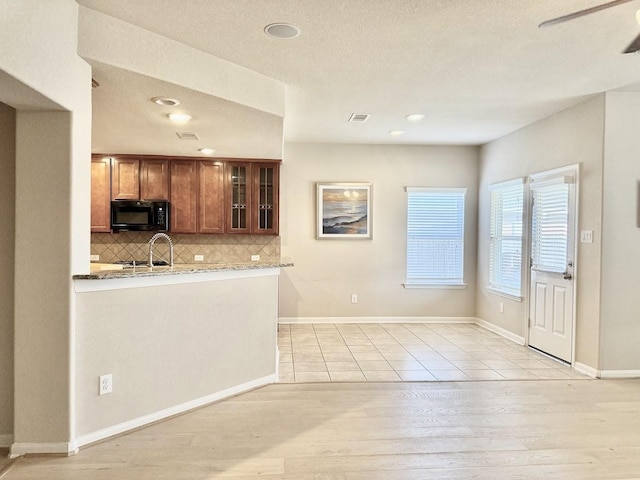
478,69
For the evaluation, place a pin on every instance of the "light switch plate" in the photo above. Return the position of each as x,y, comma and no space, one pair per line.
586,236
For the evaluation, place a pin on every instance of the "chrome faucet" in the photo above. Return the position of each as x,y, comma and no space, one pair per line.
153,241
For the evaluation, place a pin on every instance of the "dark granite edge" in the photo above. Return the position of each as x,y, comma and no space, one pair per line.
181,269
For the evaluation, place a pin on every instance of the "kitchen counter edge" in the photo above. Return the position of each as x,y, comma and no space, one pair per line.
181,269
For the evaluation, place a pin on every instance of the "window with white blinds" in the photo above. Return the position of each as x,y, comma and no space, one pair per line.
435,236
505,243
550,236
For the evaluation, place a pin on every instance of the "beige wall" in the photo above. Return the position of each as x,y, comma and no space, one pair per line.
327,272
621,234
49,85
573,136
171,344
7,236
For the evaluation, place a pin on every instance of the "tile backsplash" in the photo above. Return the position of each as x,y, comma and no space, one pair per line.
112,247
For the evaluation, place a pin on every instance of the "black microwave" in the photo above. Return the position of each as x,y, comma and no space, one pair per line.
139,215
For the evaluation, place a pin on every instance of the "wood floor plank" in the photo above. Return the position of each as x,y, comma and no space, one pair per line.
546,429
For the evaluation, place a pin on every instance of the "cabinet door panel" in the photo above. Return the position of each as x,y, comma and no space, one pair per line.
154,179
101,195
265,198
238,198
125,179
184,185
211,197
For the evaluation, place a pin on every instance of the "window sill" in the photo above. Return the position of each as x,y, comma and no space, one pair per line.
510,296
439,286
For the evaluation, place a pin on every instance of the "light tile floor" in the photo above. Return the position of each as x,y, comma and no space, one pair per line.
408,351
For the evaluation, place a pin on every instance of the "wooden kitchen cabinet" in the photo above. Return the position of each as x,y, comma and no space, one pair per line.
265,195
210,197
125,178
101,194
184,191
154,179
252,191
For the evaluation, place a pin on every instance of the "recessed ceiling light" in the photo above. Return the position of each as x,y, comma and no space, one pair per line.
206,151
179,117
166,101
397,133
415,117
282,30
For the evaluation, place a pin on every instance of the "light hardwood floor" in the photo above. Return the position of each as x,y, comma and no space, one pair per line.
542,429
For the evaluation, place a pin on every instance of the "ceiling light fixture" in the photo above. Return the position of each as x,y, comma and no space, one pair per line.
179,117
415,117
166,101
282,30
396,133
206,151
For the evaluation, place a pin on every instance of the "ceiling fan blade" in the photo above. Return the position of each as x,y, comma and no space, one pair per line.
582,13
633,46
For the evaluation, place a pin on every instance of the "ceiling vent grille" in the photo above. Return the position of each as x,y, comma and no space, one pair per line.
94,83
187,136
359,117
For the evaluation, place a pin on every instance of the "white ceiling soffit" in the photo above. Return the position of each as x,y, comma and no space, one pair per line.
125,120
477,69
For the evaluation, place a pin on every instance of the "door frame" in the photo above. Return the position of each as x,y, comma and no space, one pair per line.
573,169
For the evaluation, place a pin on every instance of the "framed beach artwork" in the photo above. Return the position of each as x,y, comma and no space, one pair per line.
344,210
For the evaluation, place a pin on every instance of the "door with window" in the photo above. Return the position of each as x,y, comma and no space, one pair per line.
553,219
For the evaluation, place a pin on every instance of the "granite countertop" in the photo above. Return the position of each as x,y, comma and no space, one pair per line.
179,269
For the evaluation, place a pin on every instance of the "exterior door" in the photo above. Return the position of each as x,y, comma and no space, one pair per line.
553,229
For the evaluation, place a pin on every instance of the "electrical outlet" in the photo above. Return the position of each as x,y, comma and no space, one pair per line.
501,307
106,384
95,258
198,258
354,298
255,258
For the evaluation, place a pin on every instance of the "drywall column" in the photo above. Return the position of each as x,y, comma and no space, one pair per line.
42,77
7,232
42,283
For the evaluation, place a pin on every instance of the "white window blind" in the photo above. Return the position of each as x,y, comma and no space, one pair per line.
550,234
435,236
505,243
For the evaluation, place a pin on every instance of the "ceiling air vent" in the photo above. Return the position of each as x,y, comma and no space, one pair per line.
187,136
94,83
359,117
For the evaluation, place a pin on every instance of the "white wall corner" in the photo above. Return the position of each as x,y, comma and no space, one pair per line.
589,371
65,448
500,331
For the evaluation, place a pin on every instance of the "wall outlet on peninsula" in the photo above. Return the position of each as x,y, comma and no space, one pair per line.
106,384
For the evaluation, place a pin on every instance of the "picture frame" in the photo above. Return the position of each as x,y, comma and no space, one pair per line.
344,210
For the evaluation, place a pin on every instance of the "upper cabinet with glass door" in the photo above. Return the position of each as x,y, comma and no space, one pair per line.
252,197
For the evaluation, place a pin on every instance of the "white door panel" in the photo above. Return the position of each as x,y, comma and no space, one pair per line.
553,245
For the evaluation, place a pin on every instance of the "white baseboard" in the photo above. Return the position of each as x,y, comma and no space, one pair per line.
500,331
171,411
586,370
620,374
65,448
294,320
6,440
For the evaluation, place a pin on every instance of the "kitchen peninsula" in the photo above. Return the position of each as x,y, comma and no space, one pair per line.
173,338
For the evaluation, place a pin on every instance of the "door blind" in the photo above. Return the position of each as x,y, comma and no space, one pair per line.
550,235
435,236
